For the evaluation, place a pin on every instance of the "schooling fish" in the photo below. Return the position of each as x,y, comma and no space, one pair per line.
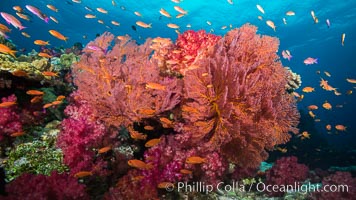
37,12
5,49
271,24
58,35
310,61
328,23
259,7
10,19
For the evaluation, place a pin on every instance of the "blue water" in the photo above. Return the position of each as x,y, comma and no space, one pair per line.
301,36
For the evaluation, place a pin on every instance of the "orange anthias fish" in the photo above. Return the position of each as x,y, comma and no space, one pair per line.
52,7
304,135
7,104
350,80
259,7
271,24
152,142
60,97
58,35
312,107
308,89
41,42
48,73
6,50
26,34
327,106
164,13
47,105
290,13
180,10
36,99
174,26
139,164
148,128
19,73
83,174
89,16
143,24
17,134
328,127
324,84
136,135
104,149
155,86
165,185
195,160
166,123
45,55
102,10
340,127
34,92
55,103
311,114
185,171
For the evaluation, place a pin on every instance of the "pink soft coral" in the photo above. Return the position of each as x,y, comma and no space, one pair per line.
56,186
286,171
9,118
80,133
342,182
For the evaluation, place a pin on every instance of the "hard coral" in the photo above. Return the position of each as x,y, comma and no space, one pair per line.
57,186
9,118
236,99
286,171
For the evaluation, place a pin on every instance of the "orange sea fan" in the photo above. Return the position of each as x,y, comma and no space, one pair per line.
115,81
239,90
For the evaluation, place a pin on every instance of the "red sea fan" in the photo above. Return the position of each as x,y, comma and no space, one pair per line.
9,118
236,98
57,186
124,85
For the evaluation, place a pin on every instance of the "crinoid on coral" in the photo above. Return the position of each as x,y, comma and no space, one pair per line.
236,101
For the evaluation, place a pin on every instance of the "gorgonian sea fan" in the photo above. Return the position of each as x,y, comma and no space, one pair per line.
236,99
115,82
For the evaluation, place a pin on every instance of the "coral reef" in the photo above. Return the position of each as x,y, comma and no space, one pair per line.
66,60
32,67
286,171
205,108
55,186
9,118
36,157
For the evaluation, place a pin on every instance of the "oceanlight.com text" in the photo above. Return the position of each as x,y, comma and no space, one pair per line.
260,187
